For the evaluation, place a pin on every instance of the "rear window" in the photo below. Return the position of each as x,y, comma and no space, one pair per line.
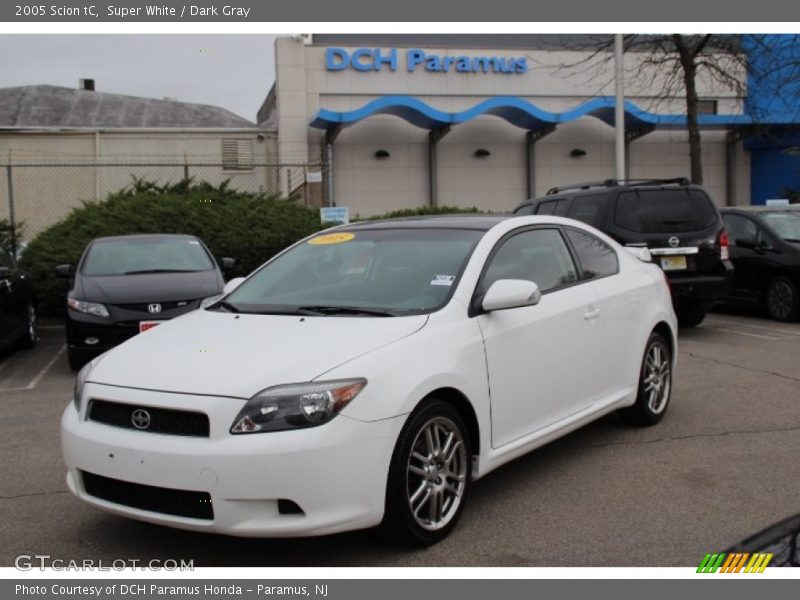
665,211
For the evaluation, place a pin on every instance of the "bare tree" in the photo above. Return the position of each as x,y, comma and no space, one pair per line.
675,63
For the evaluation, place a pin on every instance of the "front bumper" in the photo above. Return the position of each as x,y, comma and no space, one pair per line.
119,326
335,473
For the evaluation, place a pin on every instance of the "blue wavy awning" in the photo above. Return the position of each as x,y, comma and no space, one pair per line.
519,112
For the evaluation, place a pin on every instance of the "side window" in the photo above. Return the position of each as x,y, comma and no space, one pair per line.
561,208
597,258
525,209
546,208
740,228
5,259
538,255
588,209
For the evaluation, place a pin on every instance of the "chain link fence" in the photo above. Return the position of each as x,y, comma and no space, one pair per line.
34,196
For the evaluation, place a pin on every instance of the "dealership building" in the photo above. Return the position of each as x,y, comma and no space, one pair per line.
403,121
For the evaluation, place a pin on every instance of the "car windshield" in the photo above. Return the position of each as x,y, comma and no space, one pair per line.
132,256
369,272
786,224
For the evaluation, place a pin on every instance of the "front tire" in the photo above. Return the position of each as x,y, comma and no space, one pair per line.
655,384
76,359
31,337
428,476
782,299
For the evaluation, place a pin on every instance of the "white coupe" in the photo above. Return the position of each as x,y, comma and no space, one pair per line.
369,374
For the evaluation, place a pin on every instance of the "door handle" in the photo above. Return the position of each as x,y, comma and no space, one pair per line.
591,314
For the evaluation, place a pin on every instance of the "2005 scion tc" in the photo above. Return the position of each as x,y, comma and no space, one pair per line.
369,374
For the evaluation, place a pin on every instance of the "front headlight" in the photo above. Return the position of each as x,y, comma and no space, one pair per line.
206,302
90,308
296,406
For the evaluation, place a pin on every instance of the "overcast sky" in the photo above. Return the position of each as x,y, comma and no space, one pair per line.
231,71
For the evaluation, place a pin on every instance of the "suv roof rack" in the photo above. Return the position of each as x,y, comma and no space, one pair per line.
617,182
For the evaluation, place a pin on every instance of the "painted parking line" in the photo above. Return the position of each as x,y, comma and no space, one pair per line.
745,333
38,377
751,326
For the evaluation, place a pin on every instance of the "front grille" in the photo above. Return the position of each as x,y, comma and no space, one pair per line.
165,306
180,503
157,420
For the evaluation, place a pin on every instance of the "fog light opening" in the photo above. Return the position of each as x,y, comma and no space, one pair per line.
91,341
289,507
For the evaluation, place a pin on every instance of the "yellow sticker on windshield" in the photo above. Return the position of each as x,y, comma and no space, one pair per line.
332,238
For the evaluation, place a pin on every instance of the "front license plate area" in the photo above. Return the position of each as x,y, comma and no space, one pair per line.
673,263
145,325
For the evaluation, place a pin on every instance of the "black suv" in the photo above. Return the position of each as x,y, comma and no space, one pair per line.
677,221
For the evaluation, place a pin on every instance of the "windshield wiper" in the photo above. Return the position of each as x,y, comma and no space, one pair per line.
324,309
227,306
145,271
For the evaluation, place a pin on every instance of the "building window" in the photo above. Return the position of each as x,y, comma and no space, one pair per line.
237,155
706,107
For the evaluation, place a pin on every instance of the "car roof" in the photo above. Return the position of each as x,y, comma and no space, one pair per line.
145,236
481,222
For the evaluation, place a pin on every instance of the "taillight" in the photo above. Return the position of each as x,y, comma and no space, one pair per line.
722,242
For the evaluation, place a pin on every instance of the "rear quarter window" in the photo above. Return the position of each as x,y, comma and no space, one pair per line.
665,211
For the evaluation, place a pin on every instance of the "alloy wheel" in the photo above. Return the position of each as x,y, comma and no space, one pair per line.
780,299
436,473
657,380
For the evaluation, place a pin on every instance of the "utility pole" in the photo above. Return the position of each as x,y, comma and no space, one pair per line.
619,106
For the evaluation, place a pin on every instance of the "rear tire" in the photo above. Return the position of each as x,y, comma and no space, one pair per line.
655,384
428,476
782,299
690,314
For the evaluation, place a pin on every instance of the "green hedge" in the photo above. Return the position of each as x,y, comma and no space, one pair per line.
247,227
421,211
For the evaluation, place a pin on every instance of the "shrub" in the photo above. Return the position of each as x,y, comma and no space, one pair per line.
248,227
420,211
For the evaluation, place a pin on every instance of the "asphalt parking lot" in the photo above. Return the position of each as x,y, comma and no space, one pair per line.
722,465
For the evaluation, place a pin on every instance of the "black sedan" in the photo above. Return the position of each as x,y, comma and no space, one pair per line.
17,305
765,251
125,285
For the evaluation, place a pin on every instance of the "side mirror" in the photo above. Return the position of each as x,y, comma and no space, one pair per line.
510,293
4,273
64,271
233,284
749,243
227,264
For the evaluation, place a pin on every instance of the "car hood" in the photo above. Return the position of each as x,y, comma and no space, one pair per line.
222,354
149,287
